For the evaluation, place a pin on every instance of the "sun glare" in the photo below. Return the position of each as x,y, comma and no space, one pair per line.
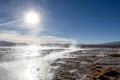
31,18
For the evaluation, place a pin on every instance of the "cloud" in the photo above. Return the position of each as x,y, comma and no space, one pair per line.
15,37
9,23
21,26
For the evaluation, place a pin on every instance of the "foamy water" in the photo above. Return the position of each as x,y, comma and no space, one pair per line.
32,62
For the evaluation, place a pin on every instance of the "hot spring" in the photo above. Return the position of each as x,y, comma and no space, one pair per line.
31,62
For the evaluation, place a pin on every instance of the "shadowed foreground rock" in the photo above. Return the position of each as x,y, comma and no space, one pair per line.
88,68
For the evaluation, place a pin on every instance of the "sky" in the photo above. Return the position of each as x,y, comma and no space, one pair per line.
86,21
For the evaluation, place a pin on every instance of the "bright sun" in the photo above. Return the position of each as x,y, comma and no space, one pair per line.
31,18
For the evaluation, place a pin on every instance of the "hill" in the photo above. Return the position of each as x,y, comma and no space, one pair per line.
6,43
103,45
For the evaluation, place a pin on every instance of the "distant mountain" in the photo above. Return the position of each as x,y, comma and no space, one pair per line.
113,43
104,45
6,43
